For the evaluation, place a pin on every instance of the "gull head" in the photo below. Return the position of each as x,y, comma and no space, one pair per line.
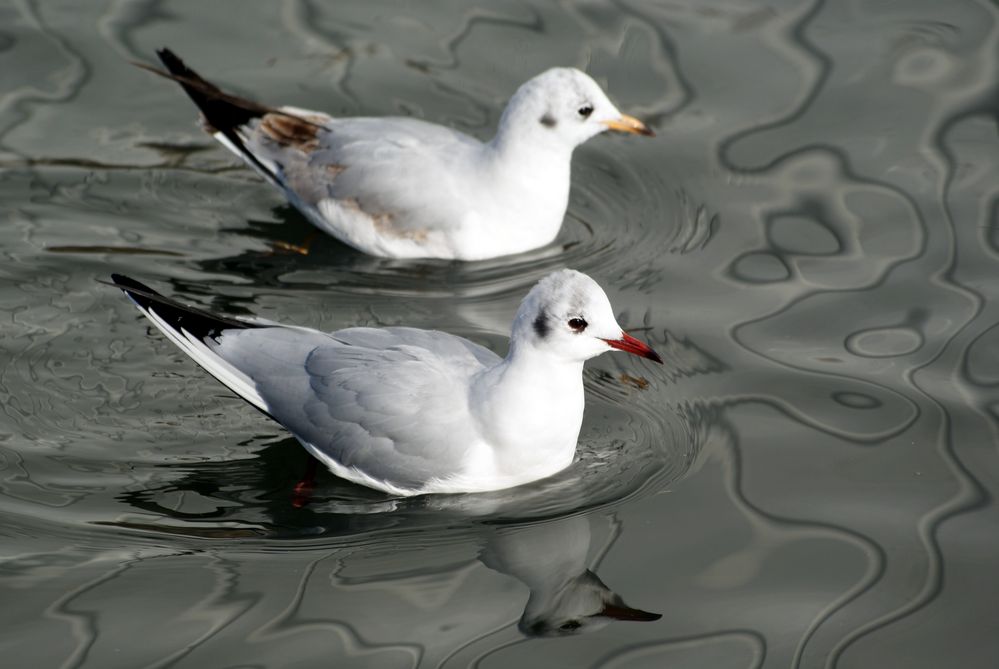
565,106
567,315
582,604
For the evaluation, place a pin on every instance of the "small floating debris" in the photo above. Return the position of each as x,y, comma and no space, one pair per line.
124,250
189,531
639,382
290,248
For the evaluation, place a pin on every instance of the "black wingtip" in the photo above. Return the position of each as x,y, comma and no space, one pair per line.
223,112
178,315
142,295
125,283
171,61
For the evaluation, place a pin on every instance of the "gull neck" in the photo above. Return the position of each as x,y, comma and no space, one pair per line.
520,141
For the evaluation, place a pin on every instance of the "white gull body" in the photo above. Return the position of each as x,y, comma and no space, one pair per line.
411,411
405,188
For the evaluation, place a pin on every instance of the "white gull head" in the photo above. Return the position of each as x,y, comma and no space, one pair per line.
567,316
562,107
529,407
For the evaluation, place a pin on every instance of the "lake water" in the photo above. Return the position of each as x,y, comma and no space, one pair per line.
812,243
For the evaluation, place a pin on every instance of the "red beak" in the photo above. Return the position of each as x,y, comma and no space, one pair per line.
631,345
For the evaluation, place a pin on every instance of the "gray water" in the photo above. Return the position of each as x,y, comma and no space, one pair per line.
811,242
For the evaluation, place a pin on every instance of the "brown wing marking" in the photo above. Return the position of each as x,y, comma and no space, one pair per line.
292,131
383,222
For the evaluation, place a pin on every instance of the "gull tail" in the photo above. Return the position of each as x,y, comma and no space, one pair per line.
226,116
196,332
223,112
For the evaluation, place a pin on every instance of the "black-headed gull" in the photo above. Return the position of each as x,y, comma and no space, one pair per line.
411,411
405,188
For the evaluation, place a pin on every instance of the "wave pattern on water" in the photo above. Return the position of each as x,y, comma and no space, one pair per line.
810,242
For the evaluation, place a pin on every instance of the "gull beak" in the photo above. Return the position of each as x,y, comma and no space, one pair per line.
629,344
629,124
624,612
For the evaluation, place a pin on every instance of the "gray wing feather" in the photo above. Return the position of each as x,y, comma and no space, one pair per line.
384,166
392,402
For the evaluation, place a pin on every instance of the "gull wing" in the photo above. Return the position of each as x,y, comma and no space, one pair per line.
336,170
384,407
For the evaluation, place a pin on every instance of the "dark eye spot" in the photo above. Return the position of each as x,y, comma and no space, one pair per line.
570,626
548,121
577,324
585,111
541,326
538,628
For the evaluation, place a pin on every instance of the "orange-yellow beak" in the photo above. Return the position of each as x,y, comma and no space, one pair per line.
631,125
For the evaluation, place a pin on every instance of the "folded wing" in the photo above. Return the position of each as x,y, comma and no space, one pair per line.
385,407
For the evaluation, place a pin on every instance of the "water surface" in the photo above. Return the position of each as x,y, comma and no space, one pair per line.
811,242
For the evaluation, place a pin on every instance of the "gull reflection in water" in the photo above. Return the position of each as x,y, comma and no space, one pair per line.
551,559
405,571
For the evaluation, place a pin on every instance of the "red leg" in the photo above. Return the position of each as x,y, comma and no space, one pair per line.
303,489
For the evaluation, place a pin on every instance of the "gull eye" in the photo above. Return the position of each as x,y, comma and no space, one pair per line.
585,111
577,324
